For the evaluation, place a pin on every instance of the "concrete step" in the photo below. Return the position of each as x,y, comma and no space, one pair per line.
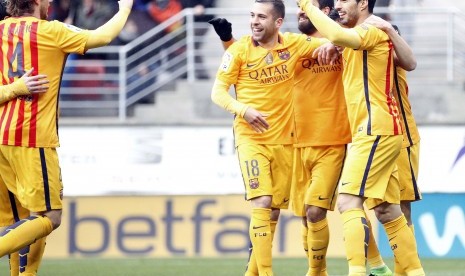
190,103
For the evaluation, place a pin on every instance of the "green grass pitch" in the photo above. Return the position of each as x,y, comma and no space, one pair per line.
209,267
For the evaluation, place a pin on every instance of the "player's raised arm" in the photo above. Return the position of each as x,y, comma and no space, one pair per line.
110,30
223,29
331,30
404,55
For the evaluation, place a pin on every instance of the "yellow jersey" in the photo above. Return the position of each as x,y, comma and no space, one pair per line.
319,104
264,80
28,42
368,80
409,126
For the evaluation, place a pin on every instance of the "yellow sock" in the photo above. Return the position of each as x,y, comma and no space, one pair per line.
304,234
397,268
318,241
31,257
23,233
356,235
403,245
373,256
260,236
323,271
252,269
14,264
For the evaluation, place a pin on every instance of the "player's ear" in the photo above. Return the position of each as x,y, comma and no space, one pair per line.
279,22
363,4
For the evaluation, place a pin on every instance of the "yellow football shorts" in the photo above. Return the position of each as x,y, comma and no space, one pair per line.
37,178
11,210
316,173
370,170
407,163
267,171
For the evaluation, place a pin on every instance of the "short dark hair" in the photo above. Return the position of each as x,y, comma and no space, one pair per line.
278,7
326,3
3,12
371,5
19,7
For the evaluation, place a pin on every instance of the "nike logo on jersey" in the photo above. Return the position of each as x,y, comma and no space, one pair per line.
257,227
344,183
250,65
322,198
392,238
318,249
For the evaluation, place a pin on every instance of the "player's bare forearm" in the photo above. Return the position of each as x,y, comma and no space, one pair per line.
404,56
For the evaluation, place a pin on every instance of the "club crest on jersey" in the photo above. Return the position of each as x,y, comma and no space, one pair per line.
253,183
269,58
284,54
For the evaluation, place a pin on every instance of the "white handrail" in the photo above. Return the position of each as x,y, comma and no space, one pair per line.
119,85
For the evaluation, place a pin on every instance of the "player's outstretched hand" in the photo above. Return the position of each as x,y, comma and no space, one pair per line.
35,84
222,27
126,4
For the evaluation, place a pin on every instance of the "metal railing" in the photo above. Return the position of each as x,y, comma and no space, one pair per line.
111,80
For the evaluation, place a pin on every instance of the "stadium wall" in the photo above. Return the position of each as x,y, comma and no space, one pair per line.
177,191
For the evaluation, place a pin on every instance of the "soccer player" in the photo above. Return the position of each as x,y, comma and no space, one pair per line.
408,160
320,148
261,67
224,30
322,129
10,209
27,261
28,157
370,169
